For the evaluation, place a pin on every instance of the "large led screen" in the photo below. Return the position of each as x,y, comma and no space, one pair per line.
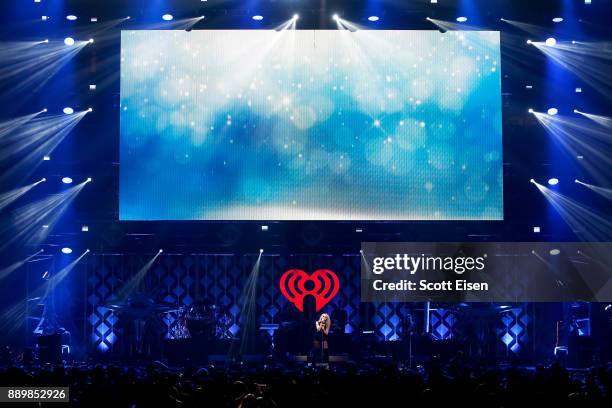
310,125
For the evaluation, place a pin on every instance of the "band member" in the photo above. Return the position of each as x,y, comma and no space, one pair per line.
320,352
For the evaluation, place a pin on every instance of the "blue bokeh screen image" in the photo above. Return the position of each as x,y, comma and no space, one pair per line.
310,125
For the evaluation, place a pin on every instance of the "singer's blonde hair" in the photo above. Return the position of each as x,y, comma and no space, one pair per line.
327,320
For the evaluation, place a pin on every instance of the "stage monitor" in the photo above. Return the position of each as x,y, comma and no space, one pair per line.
310,125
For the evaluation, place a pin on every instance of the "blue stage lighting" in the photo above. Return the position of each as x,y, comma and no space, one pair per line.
257,18
167,17
66,180
68,110
66,250
335,17
552,111
373,18
553,181
462,19
550,41
69,41
71,17
296,16
557,19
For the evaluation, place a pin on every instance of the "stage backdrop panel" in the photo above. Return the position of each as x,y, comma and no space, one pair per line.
310,125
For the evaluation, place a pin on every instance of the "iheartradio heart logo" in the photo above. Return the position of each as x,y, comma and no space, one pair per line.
323,285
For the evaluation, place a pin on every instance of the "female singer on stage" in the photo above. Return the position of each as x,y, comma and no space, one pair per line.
320,350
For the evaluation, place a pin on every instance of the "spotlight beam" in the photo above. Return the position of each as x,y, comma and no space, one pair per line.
586,223
602,191
134,283
5,272
25,222
11,196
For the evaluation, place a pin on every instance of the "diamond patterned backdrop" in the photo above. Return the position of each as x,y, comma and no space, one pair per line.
181,279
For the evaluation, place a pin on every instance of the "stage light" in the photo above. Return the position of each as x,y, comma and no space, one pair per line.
554,252
530,110
434,1
89,180
335,17
46,41
167,17
576,111
37,1
536,230
66,180
68,110
91,40
87,251
94,19
84,228
587,1
264,227
44,110
43,179
90,110
92,87
532,181
261,251
373,18
462,19
553,181
552,111
45,226
69,41
66,250
578,90
358,230
557,19
550,41
296,16
44,18
528,41
160,251
71,17
46,158
257,17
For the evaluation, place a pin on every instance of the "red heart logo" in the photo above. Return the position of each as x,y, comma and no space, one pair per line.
325,285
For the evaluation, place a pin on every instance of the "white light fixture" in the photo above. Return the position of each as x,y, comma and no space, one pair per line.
69,41
44,18
46,158
552,111
84,228
553,181
66,180
94,19
264,227
373,18
536,230
257,17
68,110
550,41
557,19
66,250
71,17
462,19
167,17
296,16
92,87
